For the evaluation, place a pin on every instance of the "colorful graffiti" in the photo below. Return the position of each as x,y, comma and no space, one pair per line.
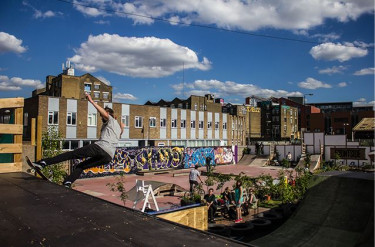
131,160
219,156
134,159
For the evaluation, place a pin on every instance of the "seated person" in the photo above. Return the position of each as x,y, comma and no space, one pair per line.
211,205
227,196
253,200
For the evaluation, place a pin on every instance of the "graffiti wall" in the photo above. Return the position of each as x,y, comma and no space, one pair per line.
197,156
134,159
131,160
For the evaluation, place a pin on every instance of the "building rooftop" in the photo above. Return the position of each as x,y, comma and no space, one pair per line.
366,124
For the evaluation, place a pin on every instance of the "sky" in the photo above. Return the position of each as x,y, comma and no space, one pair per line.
162,49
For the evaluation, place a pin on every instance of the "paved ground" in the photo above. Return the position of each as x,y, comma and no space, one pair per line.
97,186
34,212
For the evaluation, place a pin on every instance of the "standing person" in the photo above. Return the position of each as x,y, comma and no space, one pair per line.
208,163
289,158
238,200
193,175
211,205
261,148
95,154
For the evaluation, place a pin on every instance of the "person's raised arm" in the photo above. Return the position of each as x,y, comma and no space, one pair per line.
103,113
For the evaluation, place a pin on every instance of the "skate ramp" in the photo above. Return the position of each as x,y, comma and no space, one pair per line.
246,159
34,212
337,211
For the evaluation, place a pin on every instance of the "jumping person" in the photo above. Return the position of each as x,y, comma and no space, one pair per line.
95,154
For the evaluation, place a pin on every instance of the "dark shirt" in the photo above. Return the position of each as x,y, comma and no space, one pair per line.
210,198
208,161
227,196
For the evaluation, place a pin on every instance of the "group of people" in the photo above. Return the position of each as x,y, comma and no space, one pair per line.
229,200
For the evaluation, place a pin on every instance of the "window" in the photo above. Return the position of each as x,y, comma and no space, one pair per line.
125,120
224,125
138,122
105,95
174,123
91,120
192,124
71,118
195,106
291,120
96,86
209,125
179,105
96,94
53,117
163,122
201,124
152,121
216,125
183,123
87,87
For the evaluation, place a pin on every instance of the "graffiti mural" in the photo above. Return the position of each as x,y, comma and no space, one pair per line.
131,160
134,159
197,156
224,155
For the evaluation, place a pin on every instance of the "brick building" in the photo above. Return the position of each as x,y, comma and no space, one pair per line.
145,125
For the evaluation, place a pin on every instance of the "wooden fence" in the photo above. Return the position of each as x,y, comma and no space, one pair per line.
16,130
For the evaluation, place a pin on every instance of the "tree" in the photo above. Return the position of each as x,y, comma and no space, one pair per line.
52,143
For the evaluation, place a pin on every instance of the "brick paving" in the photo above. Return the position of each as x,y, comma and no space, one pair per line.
98,186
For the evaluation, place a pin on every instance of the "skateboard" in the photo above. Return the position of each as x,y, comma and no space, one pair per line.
37,170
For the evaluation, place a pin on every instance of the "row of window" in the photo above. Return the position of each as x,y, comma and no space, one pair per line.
163,123
71,119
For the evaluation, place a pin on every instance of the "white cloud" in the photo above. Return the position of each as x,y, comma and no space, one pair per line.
16,83
363,102
124,96
366,71
342,84
91,8
9,43
322,37
341,52
311,83
102,22
333,70
40,14
227,89
247,15
137,57
104,80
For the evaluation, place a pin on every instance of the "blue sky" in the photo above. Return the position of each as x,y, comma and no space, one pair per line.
143,58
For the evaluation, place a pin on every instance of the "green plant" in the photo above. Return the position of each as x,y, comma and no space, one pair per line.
119,186
285,163
307,160
52,142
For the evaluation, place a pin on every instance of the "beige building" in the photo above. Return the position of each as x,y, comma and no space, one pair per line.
145,125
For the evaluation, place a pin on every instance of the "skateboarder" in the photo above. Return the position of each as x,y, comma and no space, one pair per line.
95,154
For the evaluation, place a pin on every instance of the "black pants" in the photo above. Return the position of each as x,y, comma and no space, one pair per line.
97,156
192,182
211,212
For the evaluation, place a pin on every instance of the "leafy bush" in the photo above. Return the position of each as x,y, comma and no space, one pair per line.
52,142
119,186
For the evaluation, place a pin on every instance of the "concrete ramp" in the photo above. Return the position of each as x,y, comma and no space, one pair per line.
314,163
260,161
34,212
246,159
337,211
